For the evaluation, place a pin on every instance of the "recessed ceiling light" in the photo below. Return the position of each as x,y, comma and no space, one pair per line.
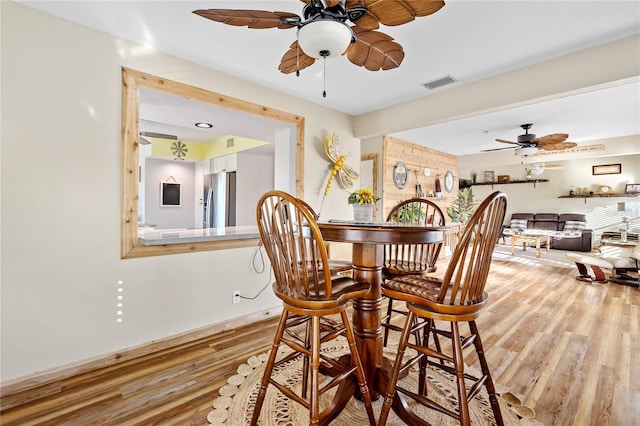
204,125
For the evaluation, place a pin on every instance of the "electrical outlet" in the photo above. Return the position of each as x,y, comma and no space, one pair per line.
236,297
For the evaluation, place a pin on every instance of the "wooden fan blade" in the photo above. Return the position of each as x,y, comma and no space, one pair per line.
393,12
374,50
506,141
294,60
548,147
259,19
557,146
497,149
552,138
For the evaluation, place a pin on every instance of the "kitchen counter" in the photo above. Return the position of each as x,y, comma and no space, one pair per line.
154,237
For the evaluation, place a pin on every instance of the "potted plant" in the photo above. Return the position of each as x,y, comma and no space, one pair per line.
463,207
474,176
409,213
363,200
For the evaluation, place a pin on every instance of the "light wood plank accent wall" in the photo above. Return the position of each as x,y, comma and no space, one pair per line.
416,158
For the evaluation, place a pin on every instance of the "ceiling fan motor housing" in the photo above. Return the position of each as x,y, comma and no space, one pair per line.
324,32
526,138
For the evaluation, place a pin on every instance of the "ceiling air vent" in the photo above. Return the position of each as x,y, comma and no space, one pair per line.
230,142
434,84
158,135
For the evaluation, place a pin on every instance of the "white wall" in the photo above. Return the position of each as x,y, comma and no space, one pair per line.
253,178
601,213
61,128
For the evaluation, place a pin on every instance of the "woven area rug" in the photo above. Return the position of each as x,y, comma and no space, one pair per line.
235,404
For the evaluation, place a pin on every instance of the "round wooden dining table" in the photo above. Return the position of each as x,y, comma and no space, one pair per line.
368,240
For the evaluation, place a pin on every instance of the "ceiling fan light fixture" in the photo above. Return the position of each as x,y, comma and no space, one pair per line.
537,168
324,38
526,151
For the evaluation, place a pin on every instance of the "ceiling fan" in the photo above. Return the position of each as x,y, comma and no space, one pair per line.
528,143
325,33
178,148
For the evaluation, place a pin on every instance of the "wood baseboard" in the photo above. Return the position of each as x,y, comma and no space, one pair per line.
22,384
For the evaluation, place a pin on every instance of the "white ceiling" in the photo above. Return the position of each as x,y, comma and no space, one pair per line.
174,115
600,114
469,40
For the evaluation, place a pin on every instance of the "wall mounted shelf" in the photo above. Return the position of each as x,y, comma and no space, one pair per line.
533,181
599,196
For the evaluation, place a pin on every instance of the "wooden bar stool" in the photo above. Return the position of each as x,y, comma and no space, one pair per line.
457,298
410,259
309,294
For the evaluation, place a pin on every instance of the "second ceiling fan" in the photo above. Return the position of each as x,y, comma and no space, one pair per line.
528,143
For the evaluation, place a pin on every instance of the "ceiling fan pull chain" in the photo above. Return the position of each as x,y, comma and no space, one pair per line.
324,76
297,60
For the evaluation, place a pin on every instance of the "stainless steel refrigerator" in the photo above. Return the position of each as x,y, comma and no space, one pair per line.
219,200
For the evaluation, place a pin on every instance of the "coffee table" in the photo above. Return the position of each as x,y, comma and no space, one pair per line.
529,238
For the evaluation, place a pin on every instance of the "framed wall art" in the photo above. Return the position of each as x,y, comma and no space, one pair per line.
489,177
400,175
170,194
632,188
606,169
448,181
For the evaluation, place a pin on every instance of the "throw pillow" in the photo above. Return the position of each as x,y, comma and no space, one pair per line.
520,224
574,225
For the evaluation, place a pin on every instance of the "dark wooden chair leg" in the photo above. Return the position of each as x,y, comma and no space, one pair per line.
387,320
395,372
314,408
491,389
305,361
269,368
458,363
365,392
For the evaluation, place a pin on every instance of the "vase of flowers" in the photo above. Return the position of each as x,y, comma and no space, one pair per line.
528,173
363,201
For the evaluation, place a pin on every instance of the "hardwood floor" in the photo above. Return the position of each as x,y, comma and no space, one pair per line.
570,349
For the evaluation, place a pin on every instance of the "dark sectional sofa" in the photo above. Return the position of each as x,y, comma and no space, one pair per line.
556,222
